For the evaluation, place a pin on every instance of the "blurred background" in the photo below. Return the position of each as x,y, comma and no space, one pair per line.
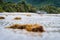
49,6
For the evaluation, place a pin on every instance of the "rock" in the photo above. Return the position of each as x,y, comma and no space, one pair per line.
17,26
28,14
2,17
17,18
35,28
29,27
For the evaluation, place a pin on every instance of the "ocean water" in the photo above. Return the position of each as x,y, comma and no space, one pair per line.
50,22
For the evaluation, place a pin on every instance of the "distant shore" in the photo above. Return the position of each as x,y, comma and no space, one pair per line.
25,13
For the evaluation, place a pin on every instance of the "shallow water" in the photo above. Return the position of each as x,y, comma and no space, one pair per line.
51,24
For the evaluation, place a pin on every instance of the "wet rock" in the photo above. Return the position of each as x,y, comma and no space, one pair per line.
29,27
17,26
35,28
17,18
28,15
2,17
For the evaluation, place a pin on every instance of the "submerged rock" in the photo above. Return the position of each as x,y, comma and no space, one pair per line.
28,14
28,27
17,26
2,17
35,28
17,18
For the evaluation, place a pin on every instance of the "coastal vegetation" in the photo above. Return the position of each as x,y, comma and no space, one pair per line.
23,6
